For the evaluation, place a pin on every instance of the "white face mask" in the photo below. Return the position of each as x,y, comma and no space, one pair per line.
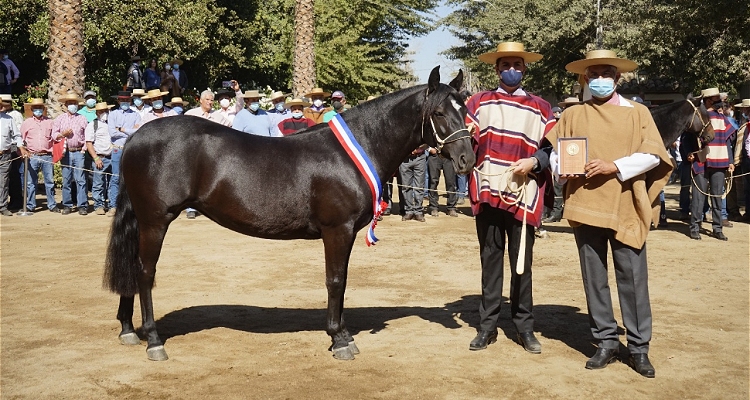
318,102
224,103
103,117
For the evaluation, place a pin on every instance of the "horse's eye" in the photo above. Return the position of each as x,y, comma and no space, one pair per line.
438,114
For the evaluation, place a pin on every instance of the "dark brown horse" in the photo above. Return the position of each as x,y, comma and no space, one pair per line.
690,116
303,186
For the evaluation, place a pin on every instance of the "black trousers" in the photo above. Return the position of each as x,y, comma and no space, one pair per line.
493,226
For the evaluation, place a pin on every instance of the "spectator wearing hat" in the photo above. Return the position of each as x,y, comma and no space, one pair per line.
180,77
99,147
253,119
224,97
278,112
121,123
743,140
338,102
140,104
158,108
152,76
177,105
11,72
317,109
70,126
134,75
36,133
89,102
205,110
168,82
10,137
15,187
708,176
296,121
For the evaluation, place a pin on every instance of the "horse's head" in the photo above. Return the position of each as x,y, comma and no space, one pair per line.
700,124
443,124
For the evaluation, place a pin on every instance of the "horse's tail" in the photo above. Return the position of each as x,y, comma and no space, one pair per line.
123,262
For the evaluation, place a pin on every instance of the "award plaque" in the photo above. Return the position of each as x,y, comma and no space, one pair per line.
573,153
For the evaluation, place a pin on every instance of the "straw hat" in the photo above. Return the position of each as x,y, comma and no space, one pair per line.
371,97
569,101
70,96
138,93
36,102
251,94
510,49
176,100
317,92
102,106
277,95
176,61
296,102
710,92
745,103
6,98
601,57
151,94
4,102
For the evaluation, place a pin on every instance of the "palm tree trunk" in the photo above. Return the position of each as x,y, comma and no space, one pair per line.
66,50
304,47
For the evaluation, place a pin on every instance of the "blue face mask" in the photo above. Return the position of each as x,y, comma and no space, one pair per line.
254,106
72,108
157,104
91,103
5,57
280,107
297,114
511,77
137,101
37,112
125,106
601,87
177,109
176,67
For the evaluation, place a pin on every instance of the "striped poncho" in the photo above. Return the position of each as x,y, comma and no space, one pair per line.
508,127
718,149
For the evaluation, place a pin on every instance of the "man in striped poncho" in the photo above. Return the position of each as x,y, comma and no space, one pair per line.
509,125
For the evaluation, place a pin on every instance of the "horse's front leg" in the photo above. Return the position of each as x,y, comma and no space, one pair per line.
338,244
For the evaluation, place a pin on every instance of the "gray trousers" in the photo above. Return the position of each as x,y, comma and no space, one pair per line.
5,178
493,225
712,181
631,274
412,172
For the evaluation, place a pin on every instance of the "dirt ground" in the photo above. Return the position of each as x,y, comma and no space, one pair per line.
244,317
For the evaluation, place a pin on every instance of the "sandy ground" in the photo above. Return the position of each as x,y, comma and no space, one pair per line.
244,317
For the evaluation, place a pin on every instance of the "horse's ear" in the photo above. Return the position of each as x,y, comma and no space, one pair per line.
434,81
458,81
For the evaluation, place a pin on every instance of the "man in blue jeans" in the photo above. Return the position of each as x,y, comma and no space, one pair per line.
412,172
99,146
122,122
71,126
36,133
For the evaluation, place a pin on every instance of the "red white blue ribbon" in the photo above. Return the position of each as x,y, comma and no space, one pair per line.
352,147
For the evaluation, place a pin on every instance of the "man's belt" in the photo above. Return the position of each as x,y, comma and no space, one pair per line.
117,147
40,153
74,149
104,156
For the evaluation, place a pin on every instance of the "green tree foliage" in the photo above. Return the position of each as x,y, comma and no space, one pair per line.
694,43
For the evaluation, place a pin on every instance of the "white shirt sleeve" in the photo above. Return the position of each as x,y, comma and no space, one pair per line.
635,164
554,165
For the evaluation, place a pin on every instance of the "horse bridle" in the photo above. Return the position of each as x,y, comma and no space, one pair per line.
449,139
697,113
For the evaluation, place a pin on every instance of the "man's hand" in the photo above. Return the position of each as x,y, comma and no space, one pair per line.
731,168
433,150
99,163
599,167
235,85
24,153
68,133
523,166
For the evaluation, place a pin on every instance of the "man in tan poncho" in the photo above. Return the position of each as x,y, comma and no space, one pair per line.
614,203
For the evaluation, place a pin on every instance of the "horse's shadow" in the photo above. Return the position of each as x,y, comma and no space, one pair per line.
557,322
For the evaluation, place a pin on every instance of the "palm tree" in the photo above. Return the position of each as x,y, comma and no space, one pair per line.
303,80
66,50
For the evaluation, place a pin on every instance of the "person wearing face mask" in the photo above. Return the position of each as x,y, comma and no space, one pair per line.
16,176
168,83
99,147
613,204
253,119
11,72
70,126
180,77
36,133
296,121
317,109
158,108
10,136
89,102
508,125
205,110
177,105
140,104
135,76
224,97
122,122
278,112
338,104
743,144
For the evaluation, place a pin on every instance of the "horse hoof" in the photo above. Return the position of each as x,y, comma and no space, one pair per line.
130,339
353,348
157,353
343,353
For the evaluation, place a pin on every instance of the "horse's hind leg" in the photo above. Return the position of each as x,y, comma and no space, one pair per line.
151,240
125,316
338,244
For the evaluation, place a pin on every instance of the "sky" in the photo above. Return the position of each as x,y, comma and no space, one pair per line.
427,48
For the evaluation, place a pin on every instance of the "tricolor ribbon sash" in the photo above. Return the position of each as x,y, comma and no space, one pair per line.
347,140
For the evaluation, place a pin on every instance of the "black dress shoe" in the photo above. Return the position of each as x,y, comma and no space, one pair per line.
720,236
602,358
695,235
529,342
483,339
66,210
642,365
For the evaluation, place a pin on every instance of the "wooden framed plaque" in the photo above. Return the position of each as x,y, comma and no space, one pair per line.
574,154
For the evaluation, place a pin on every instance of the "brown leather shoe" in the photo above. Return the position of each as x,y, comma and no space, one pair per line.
725,223
407,217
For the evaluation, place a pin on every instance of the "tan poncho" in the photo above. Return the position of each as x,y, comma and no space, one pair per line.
604,201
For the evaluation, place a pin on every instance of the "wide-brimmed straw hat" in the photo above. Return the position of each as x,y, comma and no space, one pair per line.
745,103
176,61
710,92
102,106
510,49
138,93
569,101
601,57
296,102
70,96
152,94
36,102
251,94
317,92
6,98
176,100
277,95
